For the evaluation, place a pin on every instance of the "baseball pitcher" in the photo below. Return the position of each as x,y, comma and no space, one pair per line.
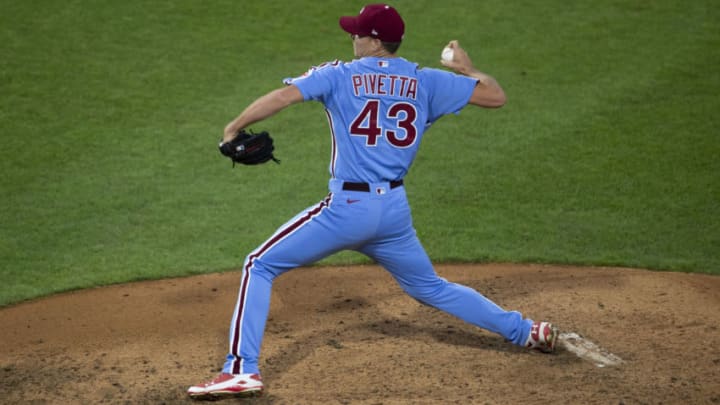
378,107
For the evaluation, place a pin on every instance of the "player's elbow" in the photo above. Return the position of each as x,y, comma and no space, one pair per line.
495,99
498,100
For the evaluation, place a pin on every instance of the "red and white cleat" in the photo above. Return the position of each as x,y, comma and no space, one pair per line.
228,386
543,336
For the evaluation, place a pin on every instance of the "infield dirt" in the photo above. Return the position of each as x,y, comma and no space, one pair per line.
349,335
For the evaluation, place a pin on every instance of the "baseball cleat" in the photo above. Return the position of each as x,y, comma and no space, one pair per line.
228,386
543,336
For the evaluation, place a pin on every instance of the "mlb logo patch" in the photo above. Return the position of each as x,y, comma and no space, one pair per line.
383,63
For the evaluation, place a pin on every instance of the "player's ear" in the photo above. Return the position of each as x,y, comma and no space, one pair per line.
377,43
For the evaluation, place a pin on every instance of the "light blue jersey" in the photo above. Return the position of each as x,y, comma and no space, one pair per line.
378,110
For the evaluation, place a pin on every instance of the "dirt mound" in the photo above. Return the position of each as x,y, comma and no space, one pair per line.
350,335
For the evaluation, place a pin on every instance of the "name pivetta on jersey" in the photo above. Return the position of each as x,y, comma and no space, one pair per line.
378,110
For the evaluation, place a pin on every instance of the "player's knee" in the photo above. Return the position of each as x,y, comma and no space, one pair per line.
261,268
426,293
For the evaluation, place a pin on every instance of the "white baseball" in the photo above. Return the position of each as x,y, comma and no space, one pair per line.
447,54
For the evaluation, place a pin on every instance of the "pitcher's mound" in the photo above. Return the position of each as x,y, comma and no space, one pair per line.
349,335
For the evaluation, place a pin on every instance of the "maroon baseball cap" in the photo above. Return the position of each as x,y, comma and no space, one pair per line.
375,20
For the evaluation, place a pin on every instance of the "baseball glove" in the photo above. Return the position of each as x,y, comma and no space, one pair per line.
249,148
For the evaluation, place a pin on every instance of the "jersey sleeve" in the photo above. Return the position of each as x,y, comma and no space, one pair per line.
316,83
448,92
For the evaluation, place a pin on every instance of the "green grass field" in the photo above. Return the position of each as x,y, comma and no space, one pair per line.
607,153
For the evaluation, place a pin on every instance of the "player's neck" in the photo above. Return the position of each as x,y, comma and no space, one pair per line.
382,53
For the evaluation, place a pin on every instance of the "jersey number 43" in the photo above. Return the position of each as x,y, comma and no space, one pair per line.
399,119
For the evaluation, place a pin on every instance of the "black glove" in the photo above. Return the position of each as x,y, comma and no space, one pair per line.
249,148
